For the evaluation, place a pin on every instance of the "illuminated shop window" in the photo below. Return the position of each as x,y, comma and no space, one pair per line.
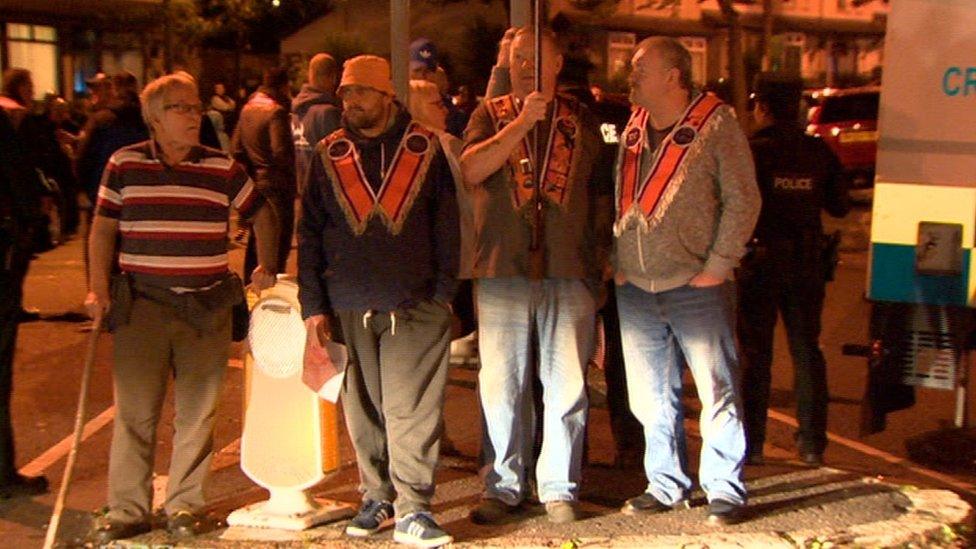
34,47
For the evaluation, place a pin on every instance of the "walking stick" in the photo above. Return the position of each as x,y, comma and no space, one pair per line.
52,527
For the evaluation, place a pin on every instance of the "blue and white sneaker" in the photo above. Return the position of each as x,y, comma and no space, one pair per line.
370,518
420,530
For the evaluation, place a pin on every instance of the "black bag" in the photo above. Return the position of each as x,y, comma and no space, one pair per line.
240,320
232,289
204,310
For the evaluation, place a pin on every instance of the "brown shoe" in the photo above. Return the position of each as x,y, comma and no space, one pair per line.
493,511
561,512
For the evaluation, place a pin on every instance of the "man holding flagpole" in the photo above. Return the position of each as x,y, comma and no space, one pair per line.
542,231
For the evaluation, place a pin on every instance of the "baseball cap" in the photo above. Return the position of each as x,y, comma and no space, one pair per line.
423,54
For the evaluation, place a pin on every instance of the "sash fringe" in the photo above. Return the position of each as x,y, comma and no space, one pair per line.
679,177
393,223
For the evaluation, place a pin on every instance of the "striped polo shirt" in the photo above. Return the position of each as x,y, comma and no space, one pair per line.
173,219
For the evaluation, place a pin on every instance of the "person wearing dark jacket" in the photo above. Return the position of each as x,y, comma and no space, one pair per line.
315,112
20,203
208,134
787,267
378,248
262,142
118,125
59,134
43,158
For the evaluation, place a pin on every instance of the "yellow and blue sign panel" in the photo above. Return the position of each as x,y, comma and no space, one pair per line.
899,208
926,166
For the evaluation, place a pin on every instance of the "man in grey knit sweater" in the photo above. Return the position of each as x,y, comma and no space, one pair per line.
687,202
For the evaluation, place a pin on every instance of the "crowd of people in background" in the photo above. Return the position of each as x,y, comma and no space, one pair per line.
321,165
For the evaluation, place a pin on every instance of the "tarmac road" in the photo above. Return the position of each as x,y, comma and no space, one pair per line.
49,362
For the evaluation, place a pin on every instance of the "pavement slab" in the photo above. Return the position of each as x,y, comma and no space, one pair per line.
795,509
866,499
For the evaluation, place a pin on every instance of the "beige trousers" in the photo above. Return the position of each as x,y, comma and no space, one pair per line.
151,349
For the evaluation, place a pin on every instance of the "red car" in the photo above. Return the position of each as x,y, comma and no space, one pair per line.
847,120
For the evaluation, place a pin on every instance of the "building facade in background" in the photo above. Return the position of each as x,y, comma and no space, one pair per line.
826,42
65,42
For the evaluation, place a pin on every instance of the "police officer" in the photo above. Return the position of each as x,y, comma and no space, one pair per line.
20,203
788,265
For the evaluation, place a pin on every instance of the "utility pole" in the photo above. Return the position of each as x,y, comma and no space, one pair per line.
737,66
767,35
400,48
521,12
167,38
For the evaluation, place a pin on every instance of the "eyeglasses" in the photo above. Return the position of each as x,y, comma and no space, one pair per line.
184,108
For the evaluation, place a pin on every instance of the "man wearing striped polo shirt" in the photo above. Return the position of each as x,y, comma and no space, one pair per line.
166,201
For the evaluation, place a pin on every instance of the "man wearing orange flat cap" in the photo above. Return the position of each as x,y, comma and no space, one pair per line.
378,249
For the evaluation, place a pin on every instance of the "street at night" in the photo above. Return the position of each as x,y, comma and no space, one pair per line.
487,273
827,501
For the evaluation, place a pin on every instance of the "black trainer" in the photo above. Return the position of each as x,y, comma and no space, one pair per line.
184,524
812,459
105,531
370,518
646,504
724,513
420,530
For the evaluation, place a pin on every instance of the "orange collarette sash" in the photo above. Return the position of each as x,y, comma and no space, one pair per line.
400,187
646,195
560,150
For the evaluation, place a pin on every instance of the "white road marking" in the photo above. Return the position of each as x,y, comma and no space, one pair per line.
230,454
882,455
159,483
61,449
227,456
53,454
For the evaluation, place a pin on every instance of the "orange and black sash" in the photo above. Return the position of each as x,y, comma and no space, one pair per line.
560,150
646,195
400,186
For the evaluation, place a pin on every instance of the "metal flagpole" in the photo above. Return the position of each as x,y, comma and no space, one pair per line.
535,245
400,48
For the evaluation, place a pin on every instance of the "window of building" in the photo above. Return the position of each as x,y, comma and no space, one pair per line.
786,53
698,48
620,48
34,47
801,5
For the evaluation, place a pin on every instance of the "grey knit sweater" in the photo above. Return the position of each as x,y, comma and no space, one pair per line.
709,213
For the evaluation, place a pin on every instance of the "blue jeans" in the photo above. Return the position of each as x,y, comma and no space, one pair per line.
561,313
658,330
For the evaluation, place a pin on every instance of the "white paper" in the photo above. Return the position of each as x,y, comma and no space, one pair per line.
340,357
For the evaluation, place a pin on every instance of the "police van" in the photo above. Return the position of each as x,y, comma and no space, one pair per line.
922,270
